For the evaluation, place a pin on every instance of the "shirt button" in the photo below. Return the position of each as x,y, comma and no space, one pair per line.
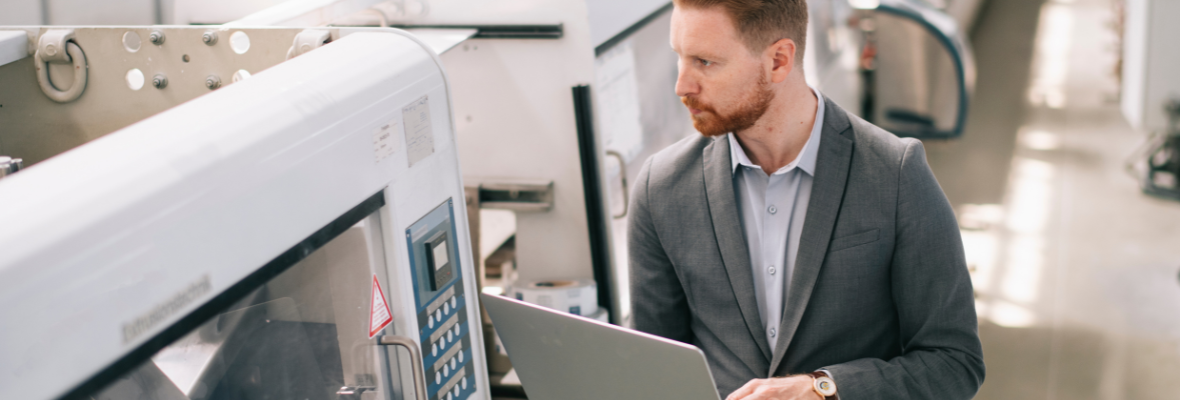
771,270
773,332
772,209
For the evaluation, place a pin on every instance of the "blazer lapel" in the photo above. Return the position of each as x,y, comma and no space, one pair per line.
827,193
730,238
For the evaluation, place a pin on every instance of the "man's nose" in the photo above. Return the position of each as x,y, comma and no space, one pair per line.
685,83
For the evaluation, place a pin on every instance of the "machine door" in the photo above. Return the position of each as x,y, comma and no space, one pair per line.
309,329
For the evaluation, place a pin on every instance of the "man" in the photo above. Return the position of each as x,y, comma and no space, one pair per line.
804,250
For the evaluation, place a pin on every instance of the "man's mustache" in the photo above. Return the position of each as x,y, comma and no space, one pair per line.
695,103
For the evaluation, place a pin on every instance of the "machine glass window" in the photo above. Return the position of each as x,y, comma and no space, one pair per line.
304,334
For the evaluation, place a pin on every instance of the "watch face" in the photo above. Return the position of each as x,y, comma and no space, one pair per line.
825,386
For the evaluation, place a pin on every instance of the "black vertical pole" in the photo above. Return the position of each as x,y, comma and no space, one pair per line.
595,217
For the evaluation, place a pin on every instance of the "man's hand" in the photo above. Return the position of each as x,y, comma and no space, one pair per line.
797,387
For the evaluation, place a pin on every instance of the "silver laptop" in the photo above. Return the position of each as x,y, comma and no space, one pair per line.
561,356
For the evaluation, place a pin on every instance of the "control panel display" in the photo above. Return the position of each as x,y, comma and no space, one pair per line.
444,329
438,261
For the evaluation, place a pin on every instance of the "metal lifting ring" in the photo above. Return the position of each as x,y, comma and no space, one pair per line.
78,58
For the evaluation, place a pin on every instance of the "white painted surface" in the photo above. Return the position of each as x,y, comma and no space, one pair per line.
609,18
1135,43
514,117
14,45
216,11
20,12
1151,60
107,12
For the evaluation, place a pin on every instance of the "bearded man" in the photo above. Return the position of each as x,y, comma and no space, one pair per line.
807,252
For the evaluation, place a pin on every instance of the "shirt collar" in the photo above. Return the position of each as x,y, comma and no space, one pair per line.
806,158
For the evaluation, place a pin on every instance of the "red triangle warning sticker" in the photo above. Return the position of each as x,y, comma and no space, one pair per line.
379,316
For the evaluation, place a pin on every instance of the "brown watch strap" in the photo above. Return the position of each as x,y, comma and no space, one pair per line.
821,374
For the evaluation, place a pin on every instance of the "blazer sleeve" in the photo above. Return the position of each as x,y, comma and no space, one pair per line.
658,305
941,354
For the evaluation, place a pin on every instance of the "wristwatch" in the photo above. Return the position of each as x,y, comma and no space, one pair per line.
824,385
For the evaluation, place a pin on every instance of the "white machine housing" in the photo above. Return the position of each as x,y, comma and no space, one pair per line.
110,247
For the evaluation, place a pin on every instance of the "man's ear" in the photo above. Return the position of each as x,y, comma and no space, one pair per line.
782,59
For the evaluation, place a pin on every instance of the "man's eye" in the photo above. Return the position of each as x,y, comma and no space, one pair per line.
705,62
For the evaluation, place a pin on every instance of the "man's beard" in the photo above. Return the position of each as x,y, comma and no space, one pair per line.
711,123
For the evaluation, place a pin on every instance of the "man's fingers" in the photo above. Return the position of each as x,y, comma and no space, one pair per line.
744,391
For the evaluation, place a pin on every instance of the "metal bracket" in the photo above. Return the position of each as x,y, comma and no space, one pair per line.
57,46
52,45
517,196
308,40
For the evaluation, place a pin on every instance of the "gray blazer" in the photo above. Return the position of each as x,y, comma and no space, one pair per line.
880,296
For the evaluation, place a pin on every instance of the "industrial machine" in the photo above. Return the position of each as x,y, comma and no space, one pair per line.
215,212
1150,93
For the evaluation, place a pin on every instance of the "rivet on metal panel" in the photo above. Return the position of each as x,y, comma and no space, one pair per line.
156,37
239,42
212,82
159,81
134,79
209,37
240,75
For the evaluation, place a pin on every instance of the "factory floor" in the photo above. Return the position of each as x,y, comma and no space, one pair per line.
1075,270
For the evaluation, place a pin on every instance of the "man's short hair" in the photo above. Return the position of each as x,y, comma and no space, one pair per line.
760,23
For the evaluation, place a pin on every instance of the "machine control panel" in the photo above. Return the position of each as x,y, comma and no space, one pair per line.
444,329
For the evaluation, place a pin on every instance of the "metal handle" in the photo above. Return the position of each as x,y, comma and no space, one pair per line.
415,358
623,177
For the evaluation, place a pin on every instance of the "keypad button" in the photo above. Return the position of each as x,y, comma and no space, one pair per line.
456,329
446,370
455,302
430,322
446,308
460,356
437,378
450,336
454,363
434,350
449,397
456,391
463,383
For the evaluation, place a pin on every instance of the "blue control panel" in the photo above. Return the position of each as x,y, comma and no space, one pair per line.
441,305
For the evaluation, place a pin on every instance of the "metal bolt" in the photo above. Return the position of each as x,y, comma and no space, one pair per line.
156,37
159,81
212,82
209,37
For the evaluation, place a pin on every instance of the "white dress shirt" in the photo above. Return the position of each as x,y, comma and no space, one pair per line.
773,208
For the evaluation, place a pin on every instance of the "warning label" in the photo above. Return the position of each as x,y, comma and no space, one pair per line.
379,316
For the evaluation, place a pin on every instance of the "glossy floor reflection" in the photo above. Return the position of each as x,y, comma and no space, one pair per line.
1075,270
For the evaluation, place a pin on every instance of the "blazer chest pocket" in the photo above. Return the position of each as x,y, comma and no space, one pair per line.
853,240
